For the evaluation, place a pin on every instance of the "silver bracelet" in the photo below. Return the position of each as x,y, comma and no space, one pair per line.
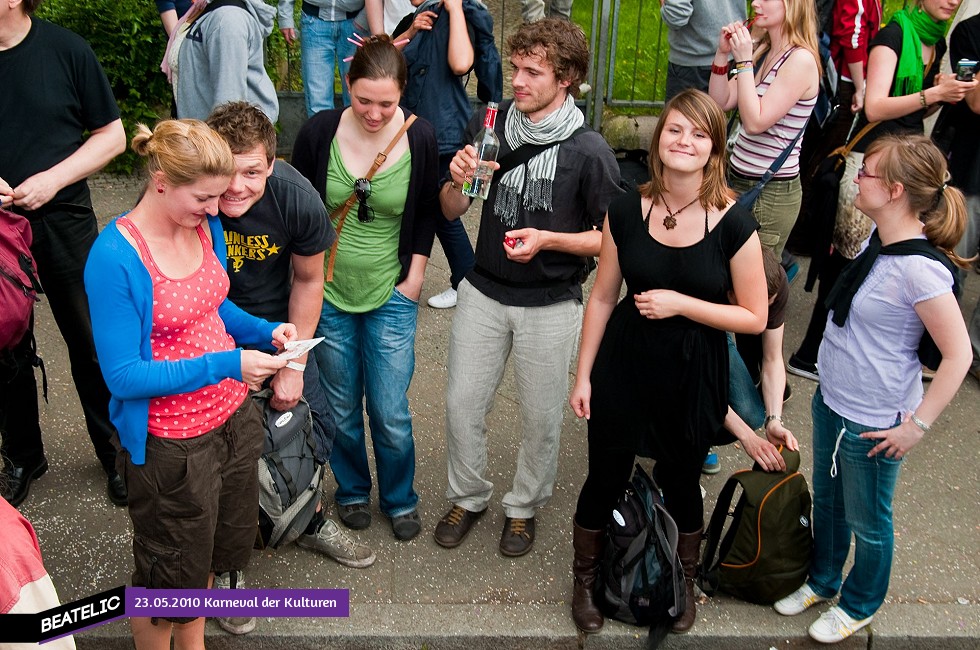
293,365
771,418
919,423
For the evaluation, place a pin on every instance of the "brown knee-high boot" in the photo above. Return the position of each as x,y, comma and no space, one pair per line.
688,550
588,550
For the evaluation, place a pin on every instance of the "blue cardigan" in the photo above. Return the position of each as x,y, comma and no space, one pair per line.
120,296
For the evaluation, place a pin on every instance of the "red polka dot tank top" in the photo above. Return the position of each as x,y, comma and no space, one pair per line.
186,325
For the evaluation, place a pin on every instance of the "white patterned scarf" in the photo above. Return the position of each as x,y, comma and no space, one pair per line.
537,176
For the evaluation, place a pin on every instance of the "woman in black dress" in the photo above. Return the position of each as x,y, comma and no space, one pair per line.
653,370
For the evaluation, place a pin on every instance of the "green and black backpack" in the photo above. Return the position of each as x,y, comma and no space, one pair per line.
764,554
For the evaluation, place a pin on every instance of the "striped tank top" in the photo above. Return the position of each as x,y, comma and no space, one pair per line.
753,154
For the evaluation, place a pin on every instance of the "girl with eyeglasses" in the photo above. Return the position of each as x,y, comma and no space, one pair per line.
903,86
374,278
870,410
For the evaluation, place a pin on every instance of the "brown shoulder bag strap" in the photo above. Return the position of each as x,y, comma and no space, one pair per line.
341,212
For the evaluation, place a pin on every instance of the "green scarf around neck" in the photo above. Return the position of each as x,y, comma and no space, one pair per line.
918,27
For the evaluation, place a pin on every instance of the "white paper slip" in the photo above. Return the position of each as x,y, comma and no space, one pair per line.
294,349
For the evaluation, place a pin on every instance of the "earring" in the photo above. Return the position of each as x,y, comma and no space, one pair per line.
159,190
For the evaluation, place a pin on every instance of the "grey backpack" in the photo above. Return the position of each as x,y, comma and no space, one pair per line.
289,476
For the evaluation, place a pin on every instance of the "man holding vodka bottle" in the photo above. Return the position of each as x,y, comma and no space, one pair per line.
539,229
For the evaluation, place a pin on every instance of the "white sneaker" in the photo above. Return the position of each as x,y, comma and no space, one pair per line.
835,625
444,300
233,624
798,602
335,543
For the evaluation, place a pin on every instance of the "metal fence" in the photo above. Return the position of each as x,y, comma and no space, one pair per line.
629,57
628,42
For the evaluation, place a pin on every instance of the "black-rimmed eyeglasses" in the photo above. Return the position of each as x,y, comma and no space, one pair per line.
362,190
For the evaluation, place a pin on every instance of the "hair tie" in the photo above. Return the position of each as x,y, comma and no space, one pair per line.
943,188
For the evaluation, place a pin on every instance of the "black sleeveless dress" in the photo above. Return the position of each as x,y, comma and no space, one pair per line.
660,387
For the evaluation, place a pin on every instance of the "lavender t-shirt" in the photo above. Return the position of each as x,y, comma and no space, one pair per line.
869,370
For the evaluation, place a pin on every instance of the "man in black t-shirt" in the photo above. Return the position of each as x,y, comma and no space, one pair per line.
53,92
276,232
524,296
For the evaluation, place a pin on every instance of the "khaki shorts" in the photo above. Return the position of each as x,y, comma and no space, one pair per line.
195,503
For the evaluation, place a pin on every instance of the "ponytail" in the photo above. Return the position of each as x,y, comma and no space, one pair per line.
916,163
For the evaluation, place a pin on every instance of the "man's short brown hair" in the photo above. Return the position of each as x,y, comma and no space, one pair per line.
244,127
774,271
561,43
30,6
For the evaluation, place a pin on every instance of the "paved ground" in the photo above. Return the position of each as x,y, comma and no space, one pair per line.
419,595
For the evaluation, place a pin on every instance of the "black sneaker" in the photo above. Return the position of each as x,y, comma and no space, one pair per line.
356,516
407,526
801,368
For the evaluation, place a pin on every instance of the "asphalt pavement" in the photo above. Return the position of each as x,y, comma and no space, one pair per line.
419,595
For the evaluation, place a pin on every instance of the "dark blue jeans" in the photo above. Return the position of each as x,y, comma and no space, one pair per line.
63,235
452,235
324,426
743,396
852,496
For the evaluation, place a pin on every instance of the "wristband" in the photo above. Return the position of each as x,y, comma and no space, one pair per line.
771,418
922,99
742,66
919,423
293,365
721,70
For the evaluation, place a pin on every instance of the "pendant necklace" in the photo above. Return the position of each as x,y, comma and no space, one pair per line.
670,221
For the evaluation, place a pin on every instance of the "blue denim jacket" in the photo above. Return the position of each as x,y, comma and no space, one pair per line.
433,91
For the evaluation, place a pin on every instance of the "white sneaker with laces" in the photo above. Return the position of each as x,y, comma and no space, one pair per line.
444,300
233,624
835,625
798,602
335,543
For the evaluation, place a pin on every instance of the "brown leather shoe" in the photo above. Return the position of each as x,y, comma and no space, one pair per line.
588,551
452,528
518,536
688,550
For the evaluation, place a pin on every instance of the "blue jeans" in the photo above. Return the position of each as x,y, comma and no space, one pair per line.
452,235
324,44
743,396
370,358
858,499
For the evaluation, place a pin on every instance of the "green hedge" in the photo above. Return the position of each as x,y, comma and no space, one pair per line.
129,40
